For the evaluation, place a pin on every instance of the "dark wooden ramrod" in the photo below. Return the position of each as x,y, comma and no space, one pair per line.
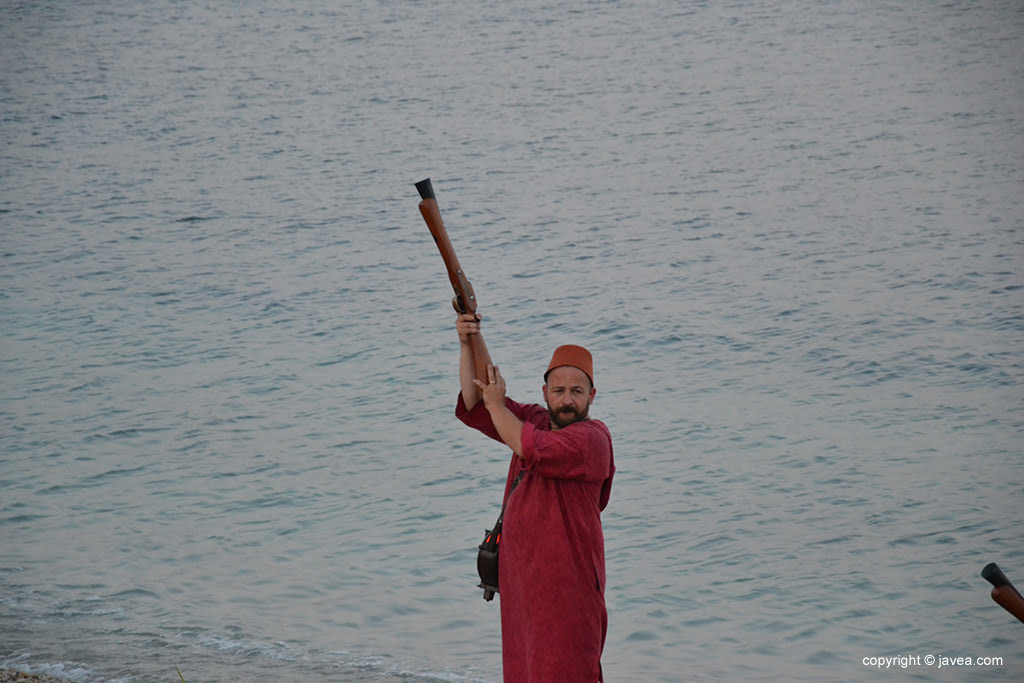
465,298
1004,592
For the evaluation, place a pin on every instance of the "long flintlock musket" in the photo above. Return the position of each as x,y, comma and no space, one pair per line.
465,298
1004,592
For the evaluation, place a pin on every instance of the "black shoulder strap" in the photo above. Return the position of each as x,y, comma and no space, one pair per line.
515,483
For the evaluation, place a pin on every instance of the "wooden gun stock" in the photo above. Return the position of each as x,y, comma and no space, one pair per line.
465,297
1004,592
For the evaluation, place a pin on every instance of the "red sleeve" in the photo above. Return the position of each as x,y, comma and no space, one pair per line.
582,451
478,418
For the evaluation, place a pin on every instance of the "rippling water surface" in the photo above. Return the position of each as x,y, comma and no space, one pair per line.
791,233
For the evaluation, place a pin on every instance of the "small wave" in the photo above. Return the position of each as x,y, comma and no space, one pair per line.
135,593
21,519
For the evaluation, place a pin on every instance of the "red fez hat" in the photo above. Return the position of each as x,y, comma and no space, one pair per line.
576,356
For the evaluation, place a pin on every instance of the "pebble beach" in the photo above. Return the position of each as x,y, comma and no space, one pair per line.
12,676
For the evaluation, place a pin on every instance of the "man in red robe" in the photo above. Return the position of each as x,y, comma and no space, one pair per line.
551,559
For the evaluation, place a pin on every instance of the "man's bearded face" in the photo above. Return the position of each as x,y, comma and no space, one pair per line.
568,394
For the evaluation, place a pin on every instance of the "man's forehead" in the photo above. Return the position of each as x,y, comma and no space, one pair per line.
567,375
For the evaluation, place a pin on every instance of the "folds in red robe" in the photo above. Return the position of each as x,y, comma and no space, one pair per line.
551,562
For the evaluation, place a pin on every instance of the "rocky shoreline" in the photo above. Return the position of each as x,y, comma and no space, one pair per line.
12,676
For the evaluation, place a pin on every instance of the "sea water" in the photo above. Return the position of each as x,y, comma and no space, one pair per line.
790,232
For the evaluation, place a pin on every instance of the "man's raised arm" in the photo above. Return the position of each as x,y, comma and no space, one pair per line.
471,343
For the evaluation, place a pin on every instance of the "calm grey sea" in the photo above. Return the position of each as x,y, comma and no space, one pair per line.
791,233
